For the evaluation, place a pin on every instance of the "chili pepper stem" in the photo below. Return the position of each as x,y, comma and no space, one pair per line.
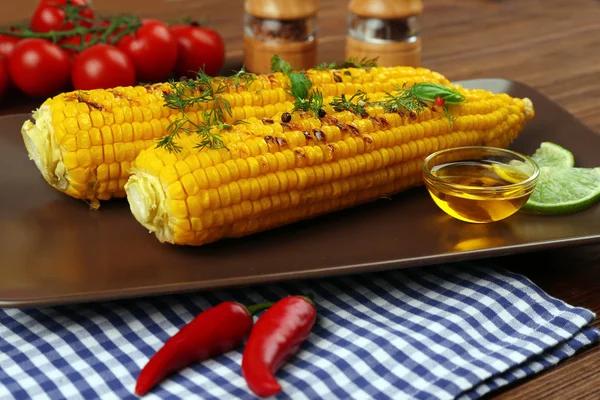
256,308
310,298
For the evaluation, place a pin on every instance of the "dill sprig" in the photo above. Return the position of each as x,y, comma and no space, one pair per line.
403,100
355,104
213,121
315,101
243,77
326,66
192,94
349,63
362,63
183,94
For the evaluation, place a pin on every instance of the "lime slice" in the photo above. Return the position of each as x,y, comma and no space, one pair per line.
565,190
552,155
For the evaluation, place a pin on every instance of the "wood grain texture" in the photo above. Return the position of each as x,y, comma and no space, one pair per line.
551,45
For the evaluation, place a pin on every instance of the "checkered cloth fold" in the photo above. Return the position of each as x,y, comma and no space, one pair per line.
443,332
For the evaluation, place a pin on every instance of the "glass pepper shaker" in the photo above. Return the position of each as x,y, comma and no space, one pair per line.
387,29
284,27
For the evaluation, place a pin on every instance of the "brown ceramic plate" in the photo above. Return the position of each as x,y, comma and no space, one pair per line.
54,250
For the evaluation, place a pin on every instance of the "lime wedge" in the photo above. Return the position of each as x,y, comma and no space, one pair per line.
564,190
552,155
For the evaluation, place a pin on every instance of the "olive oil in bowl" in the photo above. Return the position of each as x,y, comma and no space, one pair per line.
478,184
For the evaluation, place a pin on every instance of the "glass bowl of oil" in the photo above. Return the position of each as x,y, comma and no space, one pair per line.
480,184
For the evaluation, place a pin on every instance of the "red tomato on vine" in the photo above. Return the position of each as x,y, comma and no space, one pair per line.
61,15
39,67
153,50
200,48
102,66
7,44
4,79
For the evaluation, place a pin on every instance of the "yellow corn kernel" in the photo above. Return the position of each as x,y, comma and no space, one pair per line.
125,168
136,127
176,191
97,118
190,185
84,157
69,142
97,154
127,133
179,208
114,171
169,175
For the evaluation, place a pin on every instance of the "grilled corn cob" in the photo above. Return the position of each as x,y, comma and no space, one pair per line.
273,174
85,143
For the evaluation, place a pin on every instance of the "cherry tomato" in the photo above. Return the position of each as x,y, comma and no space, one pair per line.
7,45
4,80
102,66
58,15
153,50
38,67
199,49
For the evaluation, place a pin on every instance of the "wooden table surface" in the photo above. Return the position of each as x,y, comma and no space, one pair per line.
551,45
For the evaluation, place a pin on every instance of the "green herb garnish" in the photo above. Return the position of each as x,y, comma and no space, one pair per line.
304,99
349,63
243,76
325,66
431,91
279,65
356,103
315,101
192,93
362,63
414,99
299,85
403,100
410,100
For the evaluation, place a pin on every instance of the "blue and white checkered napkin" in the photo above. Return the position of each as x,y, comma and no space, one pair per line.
430,333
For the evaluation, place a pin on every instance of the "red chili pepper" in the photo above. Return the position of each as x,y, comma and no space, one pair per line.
214,331
276,337
440,101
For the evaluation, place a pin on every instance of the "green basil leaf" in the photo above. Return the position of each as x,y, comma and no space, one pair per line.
430,91
300,85
279,65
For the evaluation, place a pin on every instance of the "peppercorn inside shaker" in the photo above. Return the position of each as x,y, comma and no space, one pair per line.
389,30
287,28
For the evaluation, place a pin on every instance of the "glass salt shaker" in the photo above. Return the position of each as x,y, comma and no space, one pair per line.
387,29
287,28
